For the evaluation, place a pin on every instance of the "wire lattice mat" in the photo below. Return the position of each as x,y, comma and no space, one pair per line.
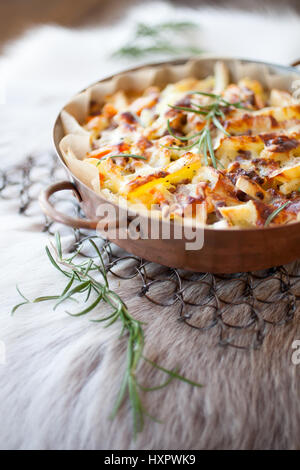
242,308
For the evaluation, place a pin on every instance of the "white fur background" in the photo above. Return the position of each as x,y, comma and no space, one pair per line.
62,374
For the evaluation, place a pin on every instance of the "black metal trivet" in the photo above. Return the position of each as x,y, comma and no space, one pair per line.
242,308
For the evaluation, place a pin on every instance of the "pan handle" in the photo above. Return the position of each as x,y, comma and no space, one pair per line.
58,216
295,63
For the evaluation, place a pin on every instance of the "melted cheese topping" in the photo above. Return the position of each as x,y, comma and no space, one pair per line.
258,157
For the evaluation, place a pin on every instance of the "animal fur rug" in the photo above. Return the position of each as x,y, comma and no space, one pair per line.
59,376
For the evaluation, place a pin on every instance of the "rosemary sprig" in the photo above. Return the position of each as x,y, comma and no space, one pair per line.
143,29
275,213
91,277
237,104
211,113
131,155
157,39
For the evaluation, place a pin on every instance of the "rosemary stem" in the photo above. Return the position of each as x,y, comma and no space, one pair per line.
79,274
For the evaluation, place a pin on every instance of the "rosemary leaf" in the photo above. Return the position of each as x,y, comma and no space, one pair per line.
87,309
131,155
275,213
15,308
45,298
100,320
191,137
161,38
189,110
173,373
177,25
68,287
219,126
22,295
204,93
158,387
211,150
203,147
55,264
186,147
121,395
58,244
210,113
81,274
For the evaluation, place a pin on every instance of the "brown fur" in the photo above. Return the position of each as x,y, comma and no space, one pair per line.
62,374
67,381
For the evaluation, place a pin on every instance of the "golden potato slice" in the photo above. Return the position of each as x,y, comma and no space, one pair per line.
264,120
244,146
281,147
190,84
256,88
206,174
119,100
243,215
251,188
281,98
219,190
221,77
143,189
109,173
287,173
290,186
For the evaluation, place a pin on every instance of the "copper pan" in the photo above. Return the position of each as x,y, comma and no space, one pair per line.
223,251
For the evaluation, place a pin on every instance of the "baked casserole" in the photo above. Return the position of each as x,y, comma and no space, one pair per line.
220,153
